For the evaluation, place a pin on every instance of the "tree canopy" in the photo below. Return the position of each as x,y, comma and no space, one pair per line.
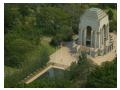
104,76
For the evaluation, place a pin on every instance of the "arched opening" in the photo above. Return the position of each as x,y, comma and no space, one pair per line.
88,36
94,39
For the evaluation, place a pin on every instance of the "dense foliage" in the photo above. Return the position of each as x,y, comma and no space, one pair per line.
25,24
104,76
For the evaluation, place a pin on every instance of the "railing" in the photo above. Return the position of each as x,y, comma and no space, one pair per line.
35,73
59,65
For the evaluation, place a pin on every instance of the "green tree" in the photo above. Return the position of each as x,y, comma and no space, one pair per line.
104,76
110,14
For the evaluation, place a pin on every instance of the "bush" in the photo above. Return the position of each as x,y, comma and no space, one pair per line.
110,14
104,76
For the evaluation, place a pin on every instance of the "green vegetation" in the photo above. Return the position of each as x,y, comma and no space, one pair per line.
104,76
78,72
84,74
113,20
32,33
76,76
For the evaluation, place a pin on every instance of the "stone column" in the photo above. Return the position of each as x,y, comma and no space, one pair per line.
108,31
84,37
95,38
81,36
92,38
98,39
103,36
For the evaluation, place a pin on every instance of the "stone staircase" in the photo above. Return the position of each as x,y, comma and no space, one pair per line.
33,76
36,74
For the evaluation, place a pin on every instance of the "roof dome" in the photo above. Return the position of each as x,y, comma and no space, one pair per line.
94,13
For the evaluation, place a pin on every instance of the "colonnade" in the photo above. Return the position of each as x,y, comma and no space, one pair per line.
98,38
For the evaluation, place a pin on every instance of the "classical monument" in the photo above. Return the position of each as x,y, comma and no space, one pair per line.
94,37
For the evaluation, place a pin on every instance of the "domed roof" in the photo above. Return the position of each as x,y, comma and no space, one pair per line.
94,13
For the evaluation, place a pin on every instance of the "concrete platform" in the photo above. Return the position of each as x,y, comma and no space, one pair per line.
62,56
